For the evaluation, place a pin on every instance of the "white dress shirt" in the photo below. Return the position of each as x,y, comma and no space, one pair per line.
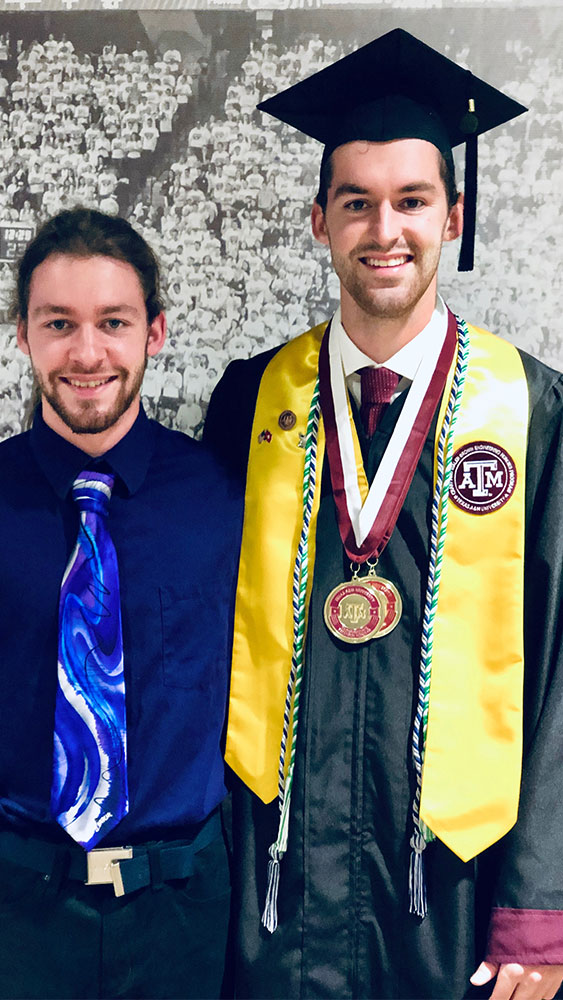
404,362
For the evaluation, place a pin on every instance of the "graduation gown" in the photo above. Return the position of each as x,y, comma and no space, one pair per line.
344,924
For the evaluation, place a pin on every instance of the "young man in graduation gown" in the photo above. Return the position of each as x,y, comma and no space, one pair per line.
397,627
118,541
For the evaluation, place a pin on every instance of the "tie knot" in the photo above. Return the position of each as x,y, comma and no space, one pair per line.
378,385
92,491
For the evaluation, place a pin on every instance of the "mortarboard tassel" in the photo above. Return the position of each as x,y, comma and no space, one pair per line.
469,125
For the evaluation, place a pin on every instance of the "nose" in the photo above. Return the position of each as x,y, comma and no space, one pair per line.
87,350
384,226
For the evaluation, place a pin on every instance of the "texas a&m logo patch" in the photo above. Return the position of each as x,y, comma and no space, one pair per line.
483,477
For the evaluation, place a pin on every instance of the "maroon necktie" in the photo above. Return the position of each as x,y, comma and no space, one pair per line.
378,386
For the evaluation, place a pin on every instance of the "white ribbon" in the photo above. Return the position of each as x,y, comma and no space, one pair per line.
362,516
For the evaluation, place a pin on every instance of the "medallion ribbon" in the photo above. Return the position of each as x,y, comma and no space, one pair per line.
366,529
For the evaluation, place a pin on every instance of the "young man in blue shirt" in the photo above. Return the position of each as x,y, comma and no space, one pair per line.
138,905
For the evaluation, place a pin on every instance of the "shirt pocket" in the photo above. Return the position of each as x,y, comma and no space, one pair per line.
194,637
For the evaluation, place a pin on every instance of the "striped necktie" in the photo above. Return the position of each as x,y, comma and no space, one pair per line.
378,386
89,794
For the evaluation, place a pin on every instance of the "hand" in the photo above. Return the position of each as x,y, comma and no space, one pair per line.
520,982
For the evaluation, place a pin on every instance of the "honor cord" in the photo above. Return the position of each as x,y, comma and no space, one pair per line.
421,834
291,708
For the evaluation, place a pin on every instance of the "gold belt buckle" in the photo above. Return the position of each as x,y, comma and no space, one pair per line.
103,866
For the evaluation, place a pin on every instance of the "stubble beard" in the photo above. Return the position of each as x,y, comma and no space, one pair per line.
393,301
86,418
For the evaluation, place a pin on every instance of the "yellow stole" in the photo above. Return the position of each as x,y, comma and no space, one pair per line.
472,761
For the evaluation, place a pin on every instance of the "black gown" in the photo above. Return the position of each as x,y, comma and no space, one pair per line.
344,924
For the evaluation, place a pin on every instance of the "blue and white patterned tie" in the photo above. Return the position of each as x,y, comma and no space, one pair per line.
89,794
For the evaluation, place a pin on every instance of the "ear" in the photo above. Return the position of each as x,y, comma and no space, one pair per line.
157,335
454,224
21,335
318,223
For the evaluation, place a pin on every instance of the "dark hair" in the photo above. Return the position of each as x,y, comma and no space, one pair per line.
85,232
447,174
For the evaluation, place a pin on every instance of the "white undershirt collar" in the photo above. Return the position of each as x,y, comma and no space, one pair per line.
404,362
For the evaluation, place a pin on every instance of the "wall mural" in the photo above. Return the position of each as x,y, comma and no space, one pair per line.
151,114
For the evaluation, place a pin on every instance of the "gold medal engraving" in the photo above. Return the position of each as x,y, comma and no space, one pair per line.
354,612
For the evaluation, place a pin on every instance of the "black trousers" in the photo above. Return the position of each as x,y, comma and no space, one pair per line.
76,941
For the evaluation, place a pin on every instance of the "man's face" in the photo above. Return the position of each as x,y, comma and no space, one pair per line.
385,221
88,339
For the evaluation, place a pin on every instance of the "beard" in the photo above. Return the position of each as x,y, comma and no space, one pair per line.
394,300
87,416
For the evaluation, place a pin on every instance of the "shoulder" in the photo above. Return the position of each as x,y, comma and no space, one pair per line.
20,475
240,382
545,384
247,372
230,414
14,450
193,463
545,428
176,446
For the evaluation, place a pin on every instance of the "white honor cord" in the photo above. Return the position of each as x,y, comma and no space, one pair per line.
363,517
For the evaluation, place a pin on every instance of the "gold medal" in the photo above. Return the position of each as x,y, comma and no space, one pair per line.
394,608
355,611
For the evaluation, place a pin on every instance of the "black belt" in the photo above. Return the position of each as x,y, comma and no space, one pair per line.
126,868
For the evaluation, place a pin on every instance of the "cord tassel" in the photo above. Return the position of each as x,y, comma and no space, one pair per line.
417,880
270,914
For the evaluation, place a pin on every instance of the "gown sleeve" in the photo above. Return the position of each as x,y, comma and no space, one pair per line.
526,923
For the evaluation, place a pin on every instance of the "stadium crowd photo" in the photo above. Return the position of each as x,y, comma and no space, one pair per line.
164,131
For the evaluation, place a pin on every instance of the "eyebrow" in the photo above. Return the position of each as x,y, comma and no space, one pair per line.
122,307
346,189
57,310
417,186
349,189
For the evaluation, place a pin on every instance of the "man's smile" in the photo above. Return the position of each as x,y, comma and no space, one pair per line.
92,383
386,262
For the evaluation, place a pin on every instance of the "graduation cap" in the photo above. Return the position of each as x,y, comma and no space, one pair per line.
396,87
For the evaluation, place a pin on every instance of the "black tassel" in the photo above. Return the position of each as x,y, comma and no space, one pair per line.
469,125
466,255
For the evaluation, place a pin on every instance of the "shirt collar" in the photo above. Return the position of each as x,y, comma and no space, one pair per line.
405,361
61,461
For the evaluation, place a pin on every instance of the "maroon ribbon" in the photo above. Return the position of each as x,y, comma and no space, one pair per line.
382,528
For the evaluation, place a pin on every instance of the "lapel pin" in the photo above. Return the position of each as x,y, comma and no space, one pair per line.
287,420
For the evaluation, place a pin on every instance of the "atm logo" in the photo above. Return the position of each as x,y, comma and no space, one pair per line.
483,477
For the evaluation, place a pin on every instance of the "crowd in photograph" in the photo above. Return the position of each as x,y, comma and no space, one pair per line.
223,195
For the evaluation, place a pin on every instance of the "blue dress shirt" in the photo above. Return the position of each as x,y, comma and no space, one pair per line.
175,522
